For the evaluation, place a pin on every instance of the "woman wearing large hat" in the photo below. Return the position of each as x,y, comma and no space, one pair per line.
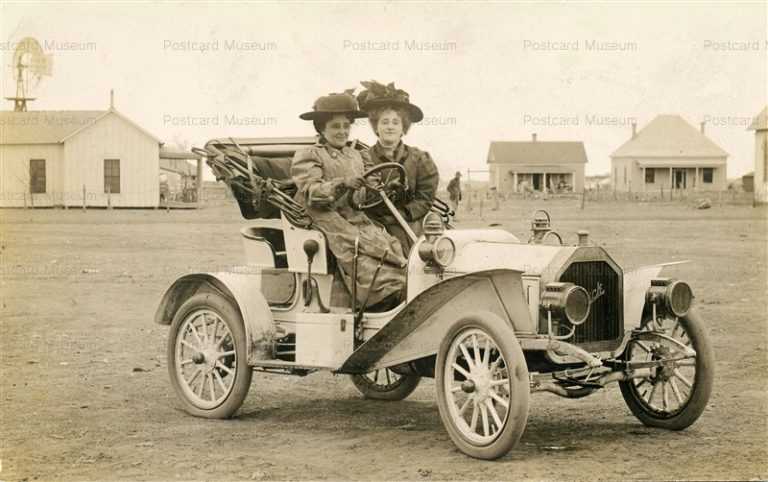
326,174
391,115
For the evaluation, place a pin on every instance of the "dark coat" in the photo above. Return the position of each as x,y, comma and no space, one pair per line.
454,189
422,177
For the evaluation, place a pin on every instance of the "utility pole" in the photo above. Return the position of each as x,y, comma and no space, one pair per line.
469,184
469,190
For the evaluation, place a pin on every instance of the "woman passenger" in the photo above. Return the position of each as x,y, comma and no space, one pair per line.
391,114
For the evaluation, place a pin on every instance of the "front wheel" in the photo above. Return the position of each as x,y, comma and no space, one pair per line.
674,395
482,386
385,384
207,356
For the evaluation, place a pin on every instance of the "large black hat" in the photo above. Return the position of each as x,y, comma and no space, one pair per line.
379,95
344,103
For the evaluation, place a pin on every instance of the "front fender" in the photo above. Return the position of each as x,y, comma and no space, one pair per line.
417,330
243,288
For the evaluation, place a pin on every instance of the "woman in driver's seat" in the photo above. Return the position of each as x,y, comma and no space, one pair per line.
326,175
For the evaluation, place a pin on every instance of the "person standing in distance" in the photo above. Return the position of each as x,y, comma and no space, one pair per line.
454,192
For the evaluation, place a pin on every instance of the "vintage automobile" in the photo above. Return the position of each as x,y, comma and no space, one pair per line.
491,318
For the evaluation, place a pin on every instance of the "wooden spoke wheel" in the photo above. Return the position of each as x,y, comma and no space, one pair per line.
482,386
207,356
384,384
676,393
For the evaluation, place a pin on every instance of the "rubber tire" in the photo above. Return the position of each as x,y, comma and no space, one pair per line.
230,314
400,392
505,339
702,384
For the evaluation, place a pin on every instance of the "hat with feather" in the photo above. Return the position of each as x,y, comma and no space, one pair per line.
343,104
378,95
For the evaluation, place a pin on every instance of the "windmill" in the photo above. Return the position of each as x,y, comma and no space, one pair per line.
29,66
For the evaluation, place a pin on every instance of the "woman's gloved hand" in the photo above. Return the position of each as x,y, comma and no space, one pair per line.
395,184
396,260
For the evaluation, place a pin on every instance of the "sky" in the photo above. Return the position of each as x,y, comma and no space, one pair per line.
189,72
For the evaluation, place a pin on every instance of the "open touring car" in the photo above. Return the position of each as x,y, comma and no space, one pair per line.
491,318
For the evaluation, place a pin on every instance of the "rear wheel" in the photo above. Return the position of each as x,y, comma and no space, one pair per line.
482,386
384,384
207,356
674,395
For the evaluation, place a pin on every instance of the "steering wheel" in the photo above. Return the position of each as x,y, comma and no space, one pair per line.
379,178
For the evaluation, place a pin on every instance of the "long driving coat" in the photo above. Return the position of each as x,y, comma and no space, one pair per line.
319,173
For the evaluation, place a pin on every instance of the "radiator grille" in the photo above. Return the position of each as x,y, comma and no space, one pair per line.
604,286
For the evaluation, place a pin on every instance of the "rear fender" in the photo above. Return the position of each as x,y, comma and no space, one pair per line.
243,288
636,284
417,330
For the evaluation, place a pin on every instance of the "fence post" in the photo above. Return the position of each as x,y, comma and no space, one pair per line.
469,199
583,195
84,197
469,190
481,207
109,196
167,204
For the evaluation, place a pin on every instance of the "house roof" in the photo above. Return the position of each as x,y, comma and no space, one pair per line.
52,126
760,122
43,126
537,152
179,166
669,136
170,153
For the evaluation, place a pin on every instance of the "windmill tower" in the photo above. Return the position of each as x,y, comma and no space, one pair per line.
29,66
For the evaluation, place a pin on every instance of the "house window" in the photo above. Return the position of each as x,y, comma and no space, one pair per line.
650,176
37,176
112,176
707,174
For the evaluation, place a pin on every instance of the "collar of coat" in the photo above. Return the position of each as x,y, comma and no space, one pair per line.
351,145
400,152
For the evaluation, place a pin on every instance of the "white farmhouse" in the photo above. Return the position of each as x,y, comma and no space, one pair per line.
516,166
67,158
668,153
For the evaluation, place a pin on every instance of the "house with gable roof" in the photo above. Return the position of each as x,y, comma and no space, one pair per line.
552,166
50,158
668,153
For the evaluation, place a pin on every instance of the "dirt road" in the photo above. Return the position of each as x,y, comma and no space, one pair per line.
85,392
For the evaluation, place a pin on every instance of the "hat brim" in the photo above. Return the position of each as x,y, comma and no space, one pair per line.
317,114
415,114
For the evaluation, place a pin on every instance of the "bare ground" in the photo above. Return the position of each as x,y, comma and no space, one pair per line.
85,392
